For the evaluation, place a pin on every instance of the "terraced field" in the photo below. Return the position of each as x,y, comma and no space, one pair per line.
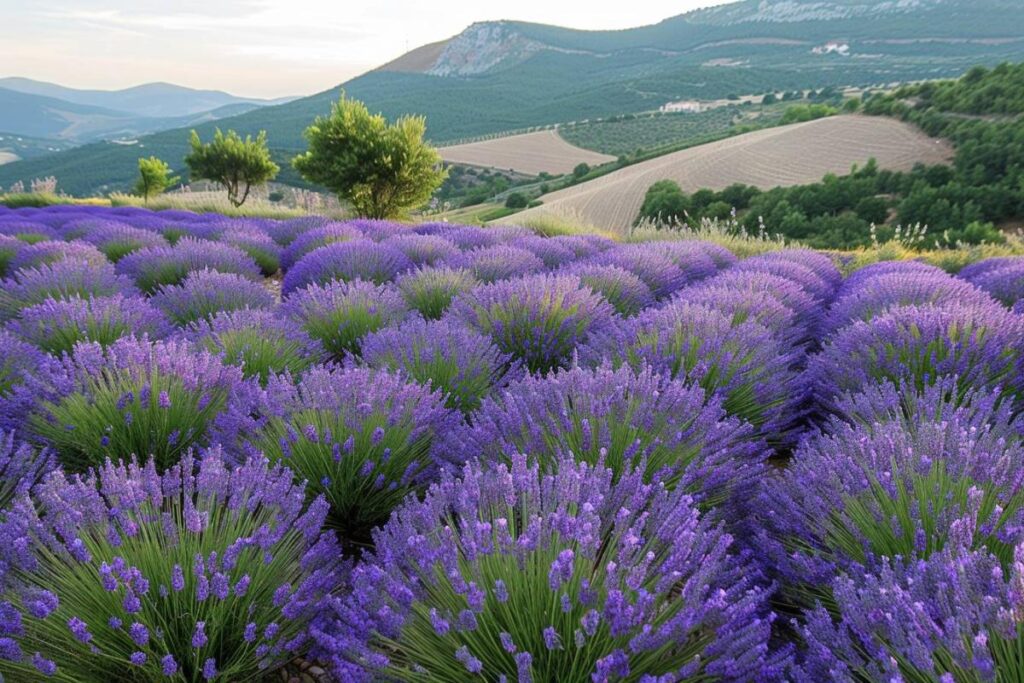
783,156
530,153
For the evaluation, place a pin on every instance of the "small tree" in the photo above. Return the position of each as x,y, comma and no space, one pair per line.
516,200
381,170
154,178
235,163
581,170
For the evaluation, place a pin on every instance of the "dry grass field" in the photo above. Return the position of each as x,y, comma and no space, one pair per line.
787,155
8,157
529,153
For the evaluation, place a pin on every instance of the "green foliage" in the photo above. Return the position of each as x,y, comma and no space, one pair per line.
580,170
24,200
516,200
799,113
235,163
665,202
381,170
154,178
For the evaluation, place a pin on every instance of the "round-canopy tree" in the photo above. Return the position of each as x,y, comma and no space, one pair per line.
235,163
382,170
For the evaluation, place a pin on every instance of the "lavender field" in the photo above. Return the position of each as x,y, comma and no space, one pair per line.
450,453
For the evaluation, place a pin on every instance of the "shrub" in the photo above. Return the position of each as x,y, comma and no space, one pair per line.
340,314
743,363
260,247
204,293
136,397
129,575
526,575
360,437
538,319
756,305
56,326
891,481
21,468
1005,283
316,237
626,421
500,262
9,248
815,261
20,362
259,342
622,289
688,255
60,281
430,291
117,240
49,251
161,266
28,231
919,345
658,271
345,261
950,613
460,362
807,310
551,252
809,281
424,250
877,295
516,200
858,277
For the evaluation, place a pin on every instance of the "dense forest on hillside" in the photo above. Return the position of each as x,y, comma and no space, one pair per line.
981,113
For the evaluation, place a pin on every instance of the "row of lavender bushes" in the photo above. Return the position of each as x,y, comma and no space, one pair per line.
453,453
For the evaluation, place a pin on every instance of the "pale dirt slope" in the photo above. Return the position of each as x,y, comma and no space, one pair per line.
788,155
529,153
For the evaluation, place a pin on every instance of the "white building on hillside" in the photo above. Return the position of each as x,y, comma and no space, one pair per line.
688,106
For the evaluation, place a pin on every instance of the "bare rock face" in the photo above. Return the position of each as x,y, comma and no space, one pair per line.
482,47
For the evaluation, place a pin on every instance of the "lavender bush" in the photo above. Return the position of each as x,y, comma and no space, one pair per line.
116,240
47,251
430,291
125,574
154,267
500,262
59,281
317,237
21,467
514,574
623,290
360,437
204,293
344,262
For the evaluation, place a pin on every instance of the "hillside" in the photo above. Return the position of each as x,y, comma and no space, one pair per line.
529,153
499,76
159,100
783,156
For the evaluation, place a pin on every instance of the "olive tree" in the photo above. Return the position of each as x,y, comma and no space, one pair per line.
154,178
235,163
381,170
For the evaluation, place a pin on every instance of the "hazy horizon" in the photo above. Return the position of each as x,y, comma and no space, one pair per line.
260,48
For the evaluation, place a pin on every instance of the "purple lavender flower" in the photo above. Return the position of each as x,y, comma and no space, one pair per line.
344,262
860,276
40,253
539,319
257,522
315,238
818,263
552,252
811,282
430,291
258,245
55,326
658,271
462,363
1005,281
623,290
61,280
340,314
743,363
21,365
500,262
261,343
154,267
881,293
892,481
105,402
205,293
743,304
9,249
116,239
372,434
625,534
424,250
625,420
920,345
27,231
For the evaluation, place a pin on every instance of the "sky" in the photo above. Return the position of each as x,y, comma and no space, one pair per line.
261,48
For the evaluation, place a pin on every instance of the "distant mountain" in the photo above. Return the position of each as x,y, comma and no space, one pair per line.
158,100
49,117
505,75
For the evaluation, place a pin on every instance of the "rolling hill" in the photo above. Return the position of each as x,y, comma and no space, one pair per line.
158,100
529,153
787,155
506,75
